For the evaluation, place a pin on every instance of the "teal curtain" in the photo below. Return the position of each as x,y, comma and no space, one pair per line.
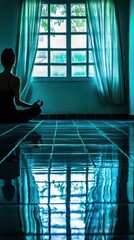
1,67
105,40
30,13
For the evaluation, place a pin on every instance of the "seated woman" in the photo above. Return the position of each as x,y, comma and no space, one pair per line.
10,91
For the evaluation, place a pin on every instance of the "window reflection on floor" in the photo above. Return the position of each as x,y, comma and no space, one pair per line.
72,180
75,197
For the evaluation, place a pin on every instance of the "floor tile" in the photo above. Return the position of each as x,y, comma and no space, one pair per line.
67,179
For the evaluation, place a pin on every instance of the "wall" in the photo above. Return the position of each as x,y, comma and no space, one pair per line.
81,97
9,12
72,97
60,97
131,58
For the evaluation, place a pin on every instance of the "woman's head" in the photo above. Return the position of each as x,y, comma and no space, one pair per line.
8,57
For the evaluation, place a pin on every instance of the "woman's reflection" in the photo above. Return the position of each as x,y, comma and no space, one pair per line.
13,207
9,170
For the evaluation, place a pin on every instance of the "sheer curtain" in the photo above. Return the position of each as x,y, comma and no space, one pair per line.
104,36
27,43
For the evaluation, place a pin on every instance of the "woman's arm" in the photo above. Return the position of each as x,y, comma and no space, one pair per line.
18,101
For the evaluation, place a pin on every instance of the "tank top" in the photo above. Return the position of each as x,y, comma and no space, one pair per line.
7,100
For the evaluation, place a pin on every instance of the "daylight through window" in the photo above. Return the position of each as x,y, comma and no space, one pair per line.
64,49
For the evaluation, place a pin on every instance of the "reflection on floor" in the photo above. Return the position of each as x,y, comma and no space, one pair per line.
67,180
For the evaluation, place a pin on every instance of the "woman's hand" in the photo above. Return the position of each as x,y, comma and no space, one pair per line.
37,103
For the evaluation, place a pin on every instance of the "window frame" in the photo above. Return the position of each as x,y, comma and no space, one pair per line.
68,48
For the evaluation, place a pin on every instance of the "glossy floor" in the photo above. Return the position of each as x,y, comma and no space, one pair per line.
66,180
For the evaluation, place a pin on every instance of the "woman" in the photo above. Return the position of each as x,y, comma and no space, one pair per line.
10,91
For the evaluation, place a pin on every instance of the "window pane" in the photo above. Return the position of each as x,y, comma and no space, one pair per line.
78,10
91,71
57,10
78,25
58,25
78,56
40,71
58,71
43,25
58,222
58,56
57,41
44,10
41,57
43,41
78,71
78,41
91,60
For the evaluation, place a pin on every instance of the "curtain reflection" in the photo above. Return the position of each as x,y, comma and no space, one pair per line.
30,211
108,212
19,213
62,194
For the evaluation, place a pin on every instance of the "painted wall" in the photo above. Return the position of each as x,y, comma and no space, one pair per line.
9,12
81,97
72,97
131,58
61,97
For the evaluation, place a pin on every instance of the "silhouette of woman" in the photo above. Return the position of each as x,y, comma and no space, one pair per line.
10,91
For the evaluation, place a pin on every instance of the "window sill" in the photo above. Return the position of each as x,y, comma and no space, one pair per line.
82,79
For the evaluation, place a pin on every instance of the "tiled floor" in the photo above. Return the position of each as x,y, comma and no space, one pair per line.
67,180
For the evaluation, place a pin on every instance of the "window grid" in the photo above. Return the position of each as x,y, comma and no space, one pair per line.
68,49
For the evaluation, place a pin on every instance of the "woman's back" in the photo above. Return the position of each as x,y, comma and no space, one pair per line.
6,93
10,91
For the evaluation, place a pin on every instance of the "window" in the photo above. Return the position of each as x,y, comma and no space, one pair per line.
64,50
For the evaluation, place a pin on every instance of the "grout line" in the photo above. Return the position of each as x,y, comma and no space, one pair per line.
2,134
84,146
10,152
119,130
104,135
51,154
